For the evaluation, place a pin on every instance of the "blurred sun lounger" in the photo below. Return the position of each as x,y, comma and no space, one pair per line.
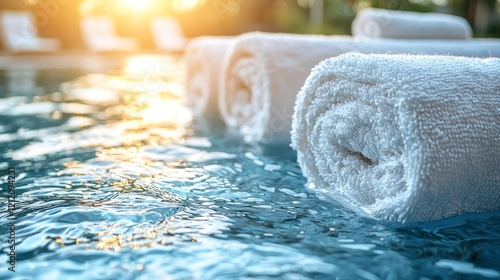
99,35
167,34
19,33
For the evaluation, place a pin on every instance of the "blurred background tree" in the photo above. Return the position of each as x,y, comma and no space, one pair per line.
483,15
60,18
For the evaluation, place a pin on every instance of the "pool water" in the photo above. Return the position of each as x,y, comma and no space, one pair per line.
115,180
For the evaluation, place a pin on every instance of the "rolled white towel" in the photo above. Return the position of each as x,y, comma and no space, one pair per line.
404,138
204,56
263,72
379,23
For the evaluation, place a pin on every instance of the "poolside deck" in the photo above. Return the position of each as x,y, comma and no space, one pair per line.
71,60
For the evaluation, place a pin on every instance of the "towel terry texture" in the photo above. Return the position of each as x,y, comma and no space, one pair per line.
263,72
403,138
204,56
379,23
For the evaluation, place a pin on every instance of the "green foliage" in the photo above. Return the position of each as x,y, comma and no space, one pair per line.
338,14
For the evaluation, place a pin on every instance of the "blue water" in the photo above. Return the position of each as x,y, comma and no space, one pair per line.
114,180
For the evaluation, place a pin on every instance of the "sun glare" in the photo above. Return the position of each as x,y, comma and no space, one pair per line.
138,5
166,111
181,6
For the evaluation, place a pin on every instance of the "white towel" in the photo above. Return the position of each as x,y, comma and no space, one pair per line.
263,72
404,138
204,56
379,23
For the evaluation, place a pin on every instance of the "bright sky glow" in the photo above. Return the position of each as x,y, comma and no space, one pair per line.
184,5
138,5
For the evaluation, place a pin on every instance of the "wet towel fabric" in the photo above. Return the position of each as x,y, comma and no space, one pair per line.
380,23
263,72
402,138
204,56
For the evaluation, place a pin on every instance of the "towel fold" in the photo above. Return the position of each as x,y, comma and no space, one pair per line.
403,138
379,23
263,72
204,56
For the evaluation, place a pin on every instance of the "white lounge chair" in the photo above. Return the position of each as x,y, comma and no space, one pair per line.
19,33
99,35
167,34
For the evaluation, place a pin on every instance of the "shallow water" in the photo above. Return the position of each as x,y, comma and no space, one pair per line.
114,180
